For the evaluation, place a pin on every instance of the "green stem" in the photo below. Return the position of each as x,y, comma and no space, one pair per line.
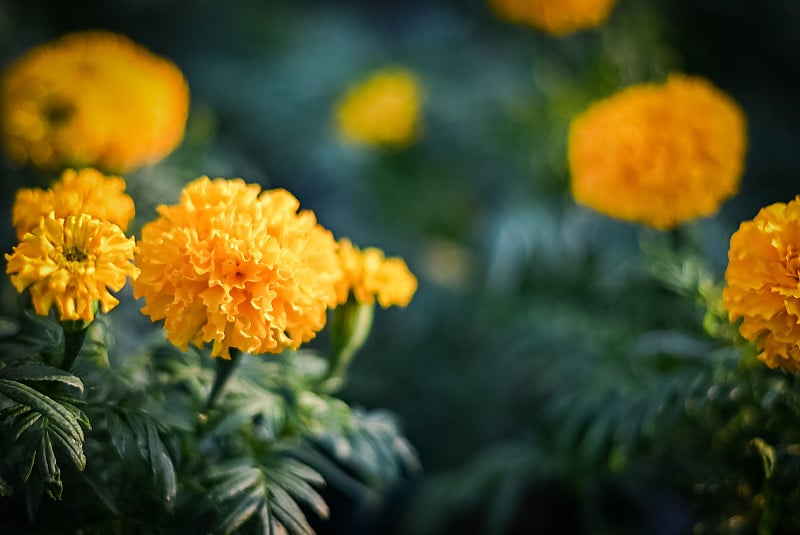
224,371
74,336
350,327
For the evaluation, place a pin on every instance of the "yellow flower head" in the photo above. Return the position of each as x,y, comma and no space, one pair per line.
72,262
77,192
237,267
381,110
556,17
659,155
368,275
763,279
92,99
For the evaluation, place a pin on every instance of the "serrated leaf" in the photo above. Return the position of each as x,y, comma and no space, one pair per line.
78,414
24,423
54,411
300,490
165,472
118,430
34,371
67,444
236,482
139,429
48,467
288,512
244,508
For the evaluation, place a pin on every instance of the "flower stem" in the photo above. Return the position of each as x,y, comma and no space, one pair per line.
224,370
74,336
350,327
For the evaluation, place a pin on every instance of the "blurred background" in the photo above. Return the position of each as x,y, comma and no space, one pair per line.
517,371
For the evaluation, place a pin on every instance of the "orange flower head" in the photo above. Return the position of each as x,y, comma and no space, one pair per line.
368,275
85,191
74,263
763,283
237,267
556,17
659,155
92,99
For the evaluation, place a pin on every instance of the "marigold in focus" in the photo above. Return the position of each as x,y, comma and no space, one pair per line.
92,99
659,155
86,191
381,110
72,262
238,267
557,17
370,276
763,283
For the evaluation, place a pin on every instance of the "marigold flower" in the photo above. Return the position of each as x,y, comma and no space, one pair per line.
72,262
369,275
237,267
763,283
92,99
659,155
381,110
86,191
557,17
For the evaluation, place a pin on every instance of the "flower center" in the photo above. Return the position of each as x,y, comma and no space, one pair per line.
58,113
73,254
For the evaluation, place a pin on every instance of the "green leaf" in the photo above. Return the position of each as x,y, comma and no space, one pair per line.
236,482
25,423
68,445
300,489
48,467
245,507
100,489
119,431
5,488
34,371
165,471
55,412
288,512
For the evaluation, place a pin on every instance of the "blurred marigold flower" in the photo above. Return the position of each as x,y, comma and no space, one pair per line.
92,99
660,154
369,275
85,191
238,267
72,262
763,283
381,110
556,17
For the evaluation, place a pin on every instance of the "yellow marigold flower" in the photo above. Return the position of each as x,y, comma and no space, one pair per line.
369,275
659,155
237,267
763,283
557,17
77,192
381,110
72,262
92,99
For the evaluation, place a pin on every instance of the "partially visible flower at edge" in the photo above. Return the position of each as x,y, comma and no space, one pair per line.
370,276
85,191
92,98
383,109
658,154
237,267
556,17
72,262
763,283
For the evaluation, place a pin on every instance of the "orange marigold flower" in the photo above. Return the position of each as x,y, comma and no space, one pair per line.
369,275
763,283
92,99
381,110
659,155
72,262
77,192
557,17
237,267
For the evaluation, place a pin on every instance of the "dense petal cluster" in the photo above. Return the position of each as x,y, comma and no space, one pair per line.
659,155
763,283
85,191
368,275
238,267
92,99
72,262
557,17
381,110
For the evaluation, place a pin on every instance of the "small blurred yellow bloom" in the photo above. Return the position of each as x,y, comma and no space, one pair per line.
92,99
238,267
763,283
381,110
86,191
659,155
557,17
369,275
72,262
